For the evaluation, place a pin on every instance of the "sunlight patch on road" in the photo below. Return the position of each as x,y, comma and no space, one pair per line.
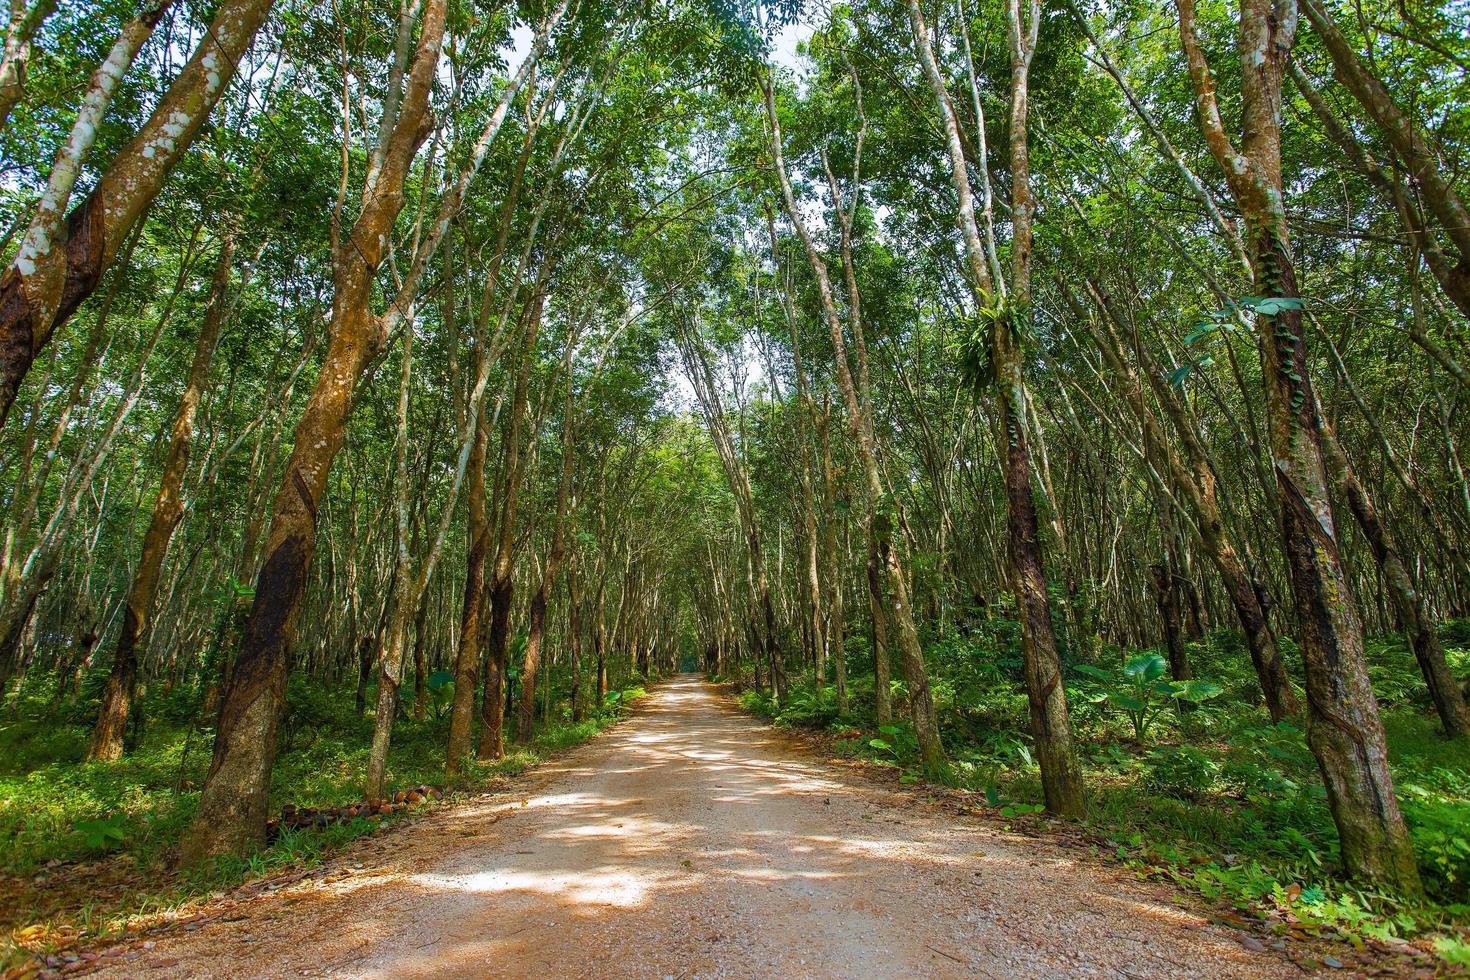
621,887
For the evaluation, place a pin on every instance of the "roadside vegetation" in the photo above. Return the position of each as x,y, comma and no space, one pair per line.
88,848
1207,794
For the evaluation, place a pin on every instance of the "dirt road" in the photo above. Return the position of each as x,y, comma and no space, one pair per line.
693,841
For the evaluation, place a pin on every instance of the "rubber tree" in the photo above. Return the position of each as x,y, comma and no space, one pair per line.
1344,729
20,35
231,812
860,422
701,377
232,805
1187,468
477,523
1403,591
555,558
1422,160
500,586
1008,315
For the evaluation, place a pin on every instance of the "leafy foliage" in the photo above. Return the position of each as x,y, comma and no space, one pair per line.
1143,692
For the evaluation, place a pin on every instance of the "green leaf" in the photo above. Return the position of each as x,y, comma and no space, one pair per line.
1127,702
1201,330
102,833
1087,670
1196,690
1146,666
880,745
1272,305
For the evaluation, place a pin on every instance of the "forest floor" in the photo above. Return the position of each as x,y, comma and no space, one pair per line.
692,840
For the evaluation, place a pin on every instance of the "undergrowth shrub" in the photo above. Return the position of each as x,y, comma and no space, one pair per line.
1183,772
806,708
758,703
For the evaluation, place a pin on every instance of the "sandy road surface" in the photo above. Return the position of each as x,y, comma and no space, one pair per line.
691,840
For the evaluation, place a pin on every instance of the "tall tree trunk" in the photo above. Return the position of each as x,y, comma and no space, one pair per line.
531,665
492,706
1166,587
404,596
1344,729
467,655
168,509
1403,593
537,627
232,805
477,528
599,647
502,586
1061,777
860,421
1194,481
877,606
19,35
367,655
19,610
574,641
834,626
1050,726
420,658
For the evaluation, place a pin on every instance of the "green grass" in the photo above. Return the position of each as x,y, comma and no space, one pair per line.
57,809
